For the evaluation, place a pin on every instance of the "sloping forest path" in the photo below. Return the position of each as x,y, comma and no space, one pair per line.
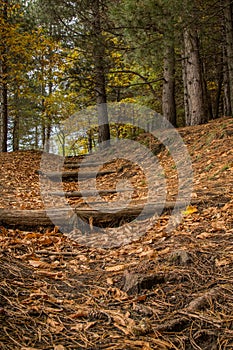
162,291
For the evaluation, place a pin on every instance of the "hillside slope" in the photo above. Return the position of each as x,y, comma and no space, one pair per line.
165,290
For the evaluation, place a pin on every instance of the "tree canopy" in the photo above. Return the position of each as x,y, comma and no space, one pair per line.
59,57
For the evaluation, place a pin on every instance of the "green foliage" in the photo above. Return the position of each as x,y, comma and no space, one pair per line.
49,50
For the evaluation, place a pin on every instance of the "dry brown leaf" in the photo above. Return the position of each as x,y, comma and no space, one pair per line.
83,326
222,262
204,235
81,313
59,347
54,326
116,268
56,275
218,226
164,251
42,264
150,253
110,281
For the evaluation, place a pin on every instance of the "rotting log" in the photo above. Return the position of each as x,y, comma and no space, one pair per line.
33,218
82,165
88,193
42,218
73,175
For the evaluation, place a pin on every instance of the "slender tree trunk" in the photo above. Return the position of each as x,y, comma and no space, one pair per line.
100,81
43,126
169,104
186,97
48,121
227,110
228,16
4,88
193,83
16,133
4,130
16,121
36,138
219,88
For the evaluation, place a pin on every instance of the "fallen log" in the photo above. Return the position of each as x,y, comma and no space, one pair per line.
33,218
24,219
73,175
83,165
87,193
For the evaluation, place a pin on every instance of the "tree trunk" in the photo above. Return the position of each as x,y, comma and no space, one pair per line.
48,120
16,132
193,84
4,89
25,219
185,83
169,105
100,81
16,121
4,131
228,16
226,87
219,88
36,146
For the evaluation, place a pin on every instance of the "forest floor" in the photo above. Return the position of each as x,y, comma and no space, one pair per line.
164,290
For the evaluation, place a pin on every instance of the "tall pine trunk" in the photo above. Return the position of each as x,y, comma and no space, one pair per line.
4,88
228,17
16,120
194,94
169,104
100,73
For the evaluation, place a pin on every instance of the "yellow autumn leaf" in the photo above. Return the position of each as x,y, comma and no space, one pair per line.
190,210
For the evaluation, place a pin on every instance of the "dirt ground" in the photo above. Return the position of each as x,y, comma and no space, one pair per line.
164,290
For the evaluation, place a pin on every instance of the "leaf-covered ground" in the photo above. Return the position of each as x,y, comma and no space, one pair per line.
166,290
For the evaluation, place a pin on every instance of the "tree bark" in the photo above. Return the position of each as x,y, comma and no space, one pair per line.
227,110
169,104
87,193
74,175
4,88
193,84
219,88
228,16
43,218
16,122
100,80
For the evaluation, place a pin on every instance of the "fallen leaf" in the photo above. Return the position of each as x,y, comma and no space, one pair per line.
115,268
59,347
218,226
54,326
204,235
110,281
189,210
83,326
222,262
81,313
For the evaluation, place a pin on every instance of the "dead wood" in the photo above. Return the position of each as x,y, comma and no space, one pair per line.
200,303
42,218
82,165
73,175
87,193
135,283
203,300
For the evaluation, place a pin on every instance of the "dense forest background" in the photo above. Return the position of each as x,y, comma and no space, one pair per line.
58,57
